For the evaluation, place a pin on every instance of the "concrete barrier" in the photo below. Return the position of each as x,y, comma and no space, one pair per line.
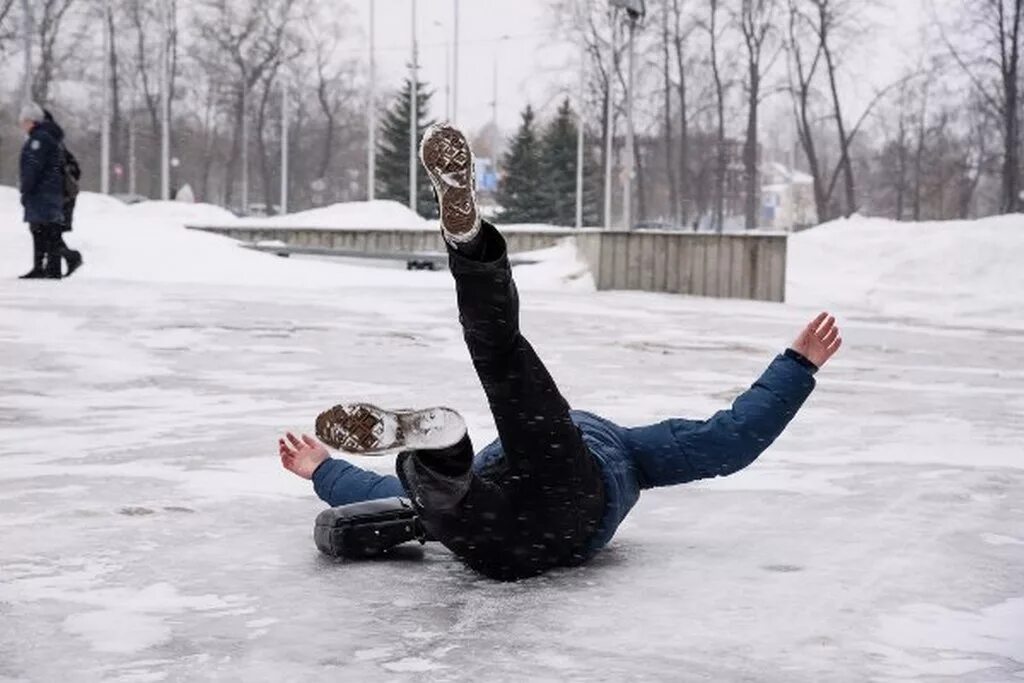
731,265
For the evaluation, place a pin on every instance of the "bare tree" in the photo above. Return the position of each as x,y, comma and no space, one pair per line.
8,32
682,30
826,18
756,19
993,67
670,157
252,37
49,17
714,30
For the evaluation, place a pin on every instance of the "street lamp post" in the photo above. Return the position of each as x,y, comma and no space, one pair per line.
579,136
371,115
284,149
635,10
105,128
27,29
627,177
455,65
165,106
609,133
447,73
413,111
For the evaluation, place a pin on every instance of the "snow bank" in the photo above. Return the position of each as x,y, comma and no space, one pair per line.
147,242
941,270
379,214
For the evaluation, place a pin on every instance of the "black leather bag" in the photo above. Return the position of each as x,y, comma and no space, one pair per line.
367,529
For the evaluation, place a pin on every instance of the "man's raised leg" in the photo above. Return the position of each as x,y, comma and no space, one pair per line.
552,475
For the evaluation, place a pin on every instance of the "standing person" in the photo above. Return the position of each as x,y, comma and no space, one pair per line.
72,176
43,192
556,485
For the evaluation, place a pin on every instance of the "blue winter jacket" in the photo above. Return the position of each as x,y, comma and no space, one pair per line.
671,452
42,174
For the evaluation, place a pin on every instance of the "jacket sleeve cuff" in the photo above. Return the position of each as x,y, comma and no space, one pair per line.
801,360
322,477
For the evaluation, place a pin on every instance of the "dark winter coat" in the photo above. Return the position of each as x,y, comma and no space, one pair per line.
671,452
42,174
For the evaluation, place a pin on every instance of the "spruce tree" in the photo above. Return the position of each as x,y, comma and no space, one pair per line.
520,191
393,150
558,169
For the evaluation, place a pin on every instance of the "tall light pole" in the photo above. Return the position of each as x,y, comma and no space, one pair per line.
447,74
579,135
105,128
455,65
131,147
371,114
413,111
627,176
245,143
609,132
165,105
28,28
635,10
284,149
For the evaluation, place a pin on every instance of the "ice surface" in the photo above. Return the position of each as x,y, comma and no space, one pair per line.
147,531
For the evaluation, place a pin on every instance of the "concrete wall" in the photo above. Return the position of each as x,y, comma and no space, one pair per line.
739,266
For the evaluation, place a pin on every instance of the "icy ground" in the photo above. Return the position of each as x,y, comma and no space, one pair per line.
147,531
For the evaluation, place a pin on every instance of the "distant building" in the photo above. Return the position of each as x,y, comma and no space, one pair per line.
787,198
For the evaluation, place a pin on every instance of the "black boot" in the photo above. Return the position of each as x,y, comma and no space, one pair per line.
38,253
75,261
367,529
52,240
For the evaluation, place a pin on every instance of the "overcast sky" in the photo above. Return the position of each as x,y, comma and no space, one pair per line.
531,61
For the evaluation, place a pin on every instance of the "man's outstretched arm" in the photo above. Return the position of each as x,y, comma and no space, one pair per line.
336,482
677,451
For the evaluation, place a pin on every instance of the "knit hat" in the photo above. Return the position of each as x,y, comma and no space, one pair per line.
30,111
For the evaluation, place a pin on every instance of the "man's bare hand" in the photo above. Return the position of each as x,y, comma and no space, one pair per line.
301,456
820,340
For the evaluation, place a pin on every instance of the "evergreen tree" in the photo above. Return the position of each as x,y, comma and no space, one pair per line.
520,191
393,150
558,169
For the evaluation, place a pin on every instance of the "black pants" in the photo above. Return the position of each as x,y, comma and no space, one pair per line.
541,506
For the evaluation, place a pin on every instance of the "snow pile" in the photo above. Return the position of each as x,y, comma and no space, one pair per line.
942,270
379,214
147,242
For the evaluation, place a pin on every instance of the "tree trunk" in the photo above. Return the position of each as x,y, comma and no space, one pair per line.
641,184
918,169
719,198
901,167
750,149
670,161
236,145
844,141
325,106
685,177
261,142
1011,116
117,123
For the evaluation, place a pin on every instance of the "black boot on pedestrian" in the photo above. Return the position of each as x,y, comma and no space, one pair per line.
75,261
38,255
365,429
367,529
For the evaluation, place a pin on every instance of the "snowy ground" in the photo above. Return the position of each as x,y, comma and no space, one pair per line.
148,533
